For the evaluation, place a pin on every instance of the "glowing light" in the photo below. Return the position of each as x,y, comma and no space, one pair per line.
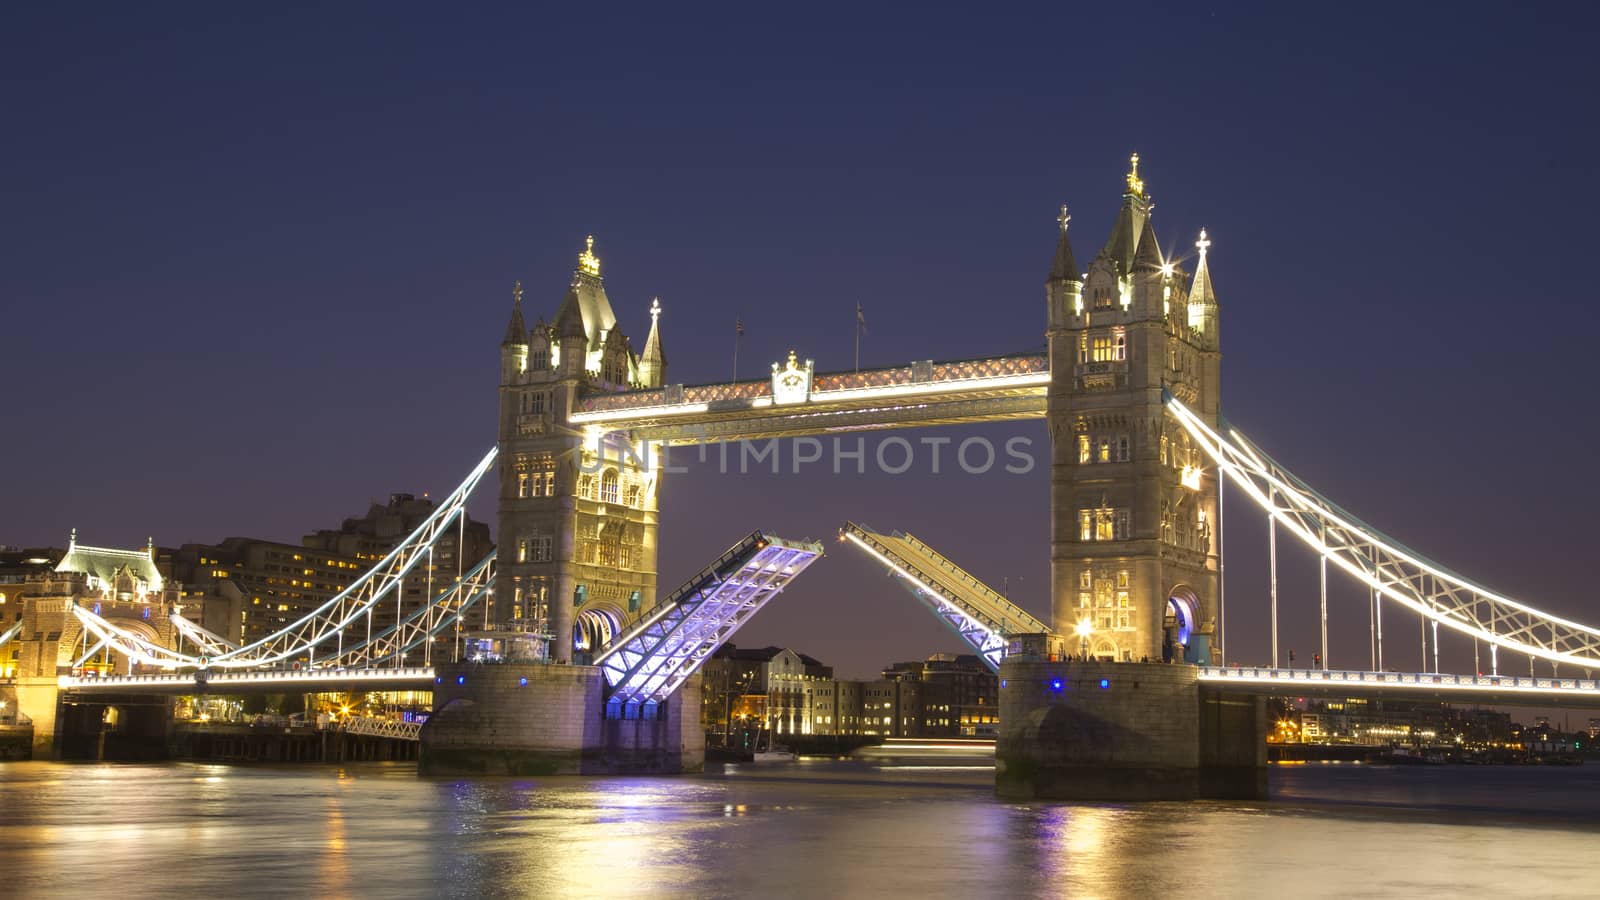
1190,478
461,679
1055,684
1105,683
1084,629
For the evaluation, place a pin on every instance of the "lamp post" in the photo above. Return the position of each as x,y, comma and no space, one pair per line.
1084,630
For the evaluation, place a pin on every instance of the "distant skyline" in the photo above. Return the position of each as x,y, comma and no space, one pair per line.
258,263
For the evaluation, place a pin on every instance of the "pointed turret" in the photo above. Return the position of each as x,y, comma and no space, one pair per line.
1148,257
516,329
653,363
1123,243
1064,287
1201,292
1065,267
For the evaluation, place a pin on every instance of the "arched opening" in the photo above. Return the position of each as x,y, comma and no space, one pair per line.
1180,640
111,719
593,629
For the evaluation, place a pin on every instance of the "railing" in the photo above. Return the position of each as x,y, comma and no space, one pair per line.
1402,680
383,728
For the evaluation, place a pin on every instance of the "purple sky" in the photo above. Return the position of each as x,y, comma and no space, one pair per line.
257,263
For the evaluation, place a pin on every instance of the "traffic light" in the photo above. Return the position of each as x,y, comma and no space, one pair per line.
1316,660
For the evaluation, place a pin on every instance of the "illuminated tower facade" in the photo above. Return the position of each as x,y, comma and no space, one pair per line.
578,512
1134,544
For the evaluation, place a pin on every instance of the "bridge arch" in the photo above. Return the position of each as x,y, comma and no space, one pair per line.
595,626
1181,621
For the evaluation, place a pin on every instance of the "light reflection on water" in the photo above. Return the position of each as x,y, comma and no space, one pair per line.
833,829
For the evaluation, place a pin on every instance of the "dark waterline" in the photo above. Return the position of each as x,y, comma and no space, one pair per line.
816,829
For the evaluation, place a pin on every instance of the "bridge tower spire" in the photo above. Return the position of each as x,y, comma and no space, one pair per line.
1064,287
1133,559
653,363
578,513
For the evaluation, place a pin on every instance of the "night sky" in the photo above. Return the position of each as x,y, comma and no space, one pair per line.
257,263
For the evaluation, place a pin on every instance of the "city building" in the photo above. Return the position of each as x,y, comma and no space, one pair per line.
745,691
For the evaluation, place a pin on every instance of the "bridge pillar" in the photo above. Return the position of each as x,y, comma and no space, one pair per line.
1095,730
526,719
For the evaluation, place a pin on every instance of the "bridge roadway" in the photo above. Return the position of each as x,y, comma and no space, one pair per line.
1503,690
258,681
1498,690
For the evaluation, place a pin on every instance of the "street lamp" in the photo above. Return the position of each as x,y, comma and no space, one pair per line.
1084,630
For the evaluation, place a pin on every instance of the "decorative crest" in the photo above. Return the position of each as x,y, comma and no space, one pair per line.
588,263
1064,218
1203,243
1135,183
655,310
516,293
791,383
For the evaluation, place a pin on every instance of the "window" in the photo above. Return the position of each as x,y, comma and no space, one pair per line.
1085,525
1083,599
586,487
523,481
550,483
1111,347
1122,449
1104,529
608,486
1163,449
1105,450
1085,580
1122,525
633,495
541,359
1122,578
1083,448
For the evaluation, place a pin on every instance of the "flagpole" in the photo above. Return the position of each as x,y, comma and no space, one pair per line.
736,356
858,338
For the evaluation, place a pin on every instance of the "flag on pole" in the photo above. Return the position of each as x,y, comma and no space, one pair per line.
861,319
738,327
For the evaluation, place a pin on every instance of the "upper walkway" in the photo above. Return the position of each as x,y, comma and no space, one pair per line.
796,402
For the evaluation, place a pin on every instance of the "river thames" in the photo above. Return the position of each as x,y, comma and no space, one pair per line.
811,829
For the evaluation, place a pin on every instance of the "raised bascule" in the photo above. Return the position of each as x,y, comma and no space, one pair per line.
554,654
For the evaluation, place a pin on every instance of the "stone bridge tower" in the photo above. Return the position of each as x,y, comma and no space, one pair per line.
578,513
1134,543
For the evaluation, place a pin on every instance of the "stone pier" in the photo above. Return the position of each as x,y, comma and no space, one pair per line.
1079,730
526,719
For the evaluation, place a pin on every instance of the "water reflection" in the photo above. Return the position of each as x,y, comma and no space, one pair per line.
836,830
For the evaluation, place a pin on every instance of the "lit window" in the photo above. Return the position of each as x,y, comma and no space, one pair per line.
1083,448
1105,450
1085,525
608,486
1104,525
522,484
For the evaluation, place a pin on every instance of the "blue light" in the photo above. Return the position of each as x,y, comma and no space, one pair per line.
523,681
461,679
1105,683
1002,682
438,680
1055,685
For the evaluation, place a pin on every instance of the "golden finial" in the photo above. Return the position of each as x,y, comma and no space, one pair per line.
1203,243
655,310
1064,218
516,293
1135,183
588,263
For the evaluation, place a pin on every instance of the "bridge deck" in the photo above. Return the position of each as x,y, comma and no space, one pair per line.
247,681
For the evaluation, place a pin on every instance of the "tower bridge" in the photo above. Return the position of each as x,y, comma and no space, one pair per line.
1120,692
